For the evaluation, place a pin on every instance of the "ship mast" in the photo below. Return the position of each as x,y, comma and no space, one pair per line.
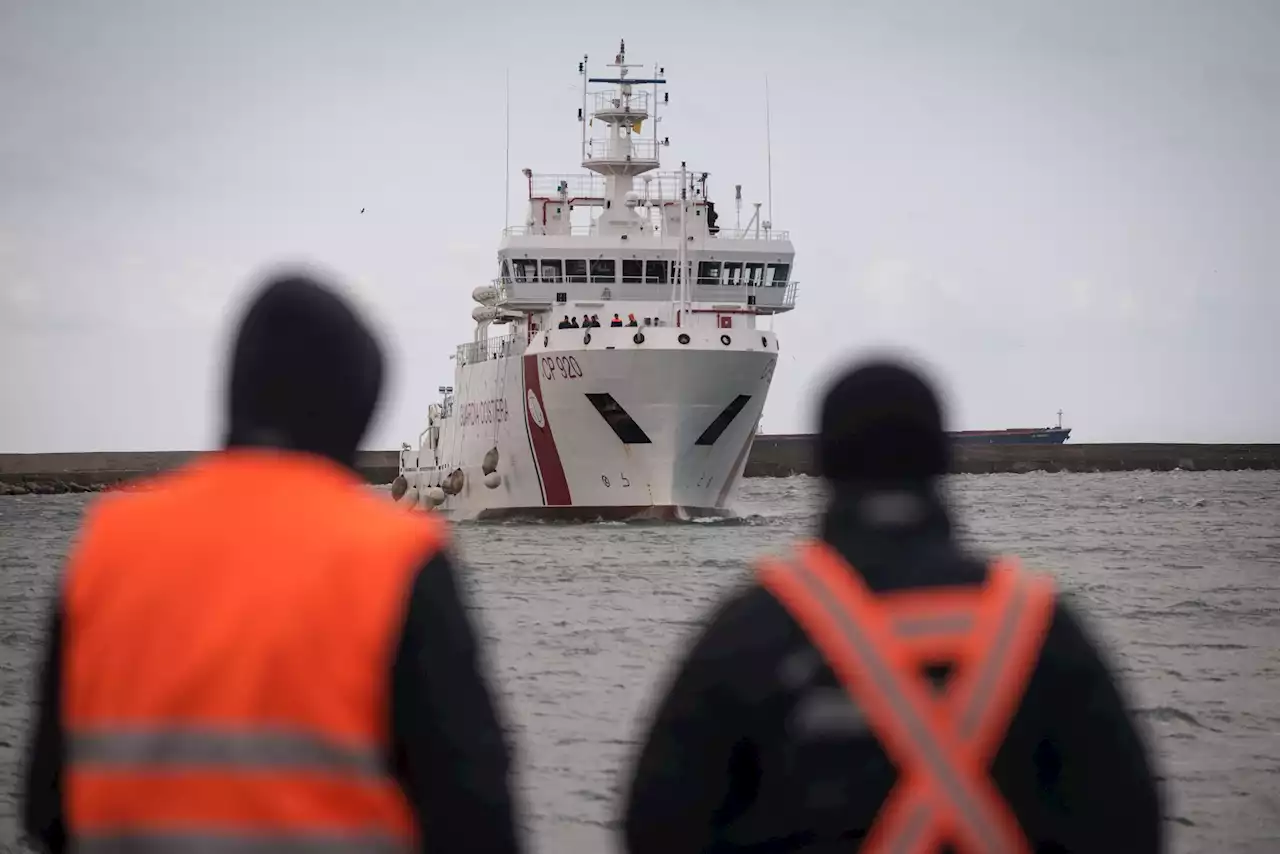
617,150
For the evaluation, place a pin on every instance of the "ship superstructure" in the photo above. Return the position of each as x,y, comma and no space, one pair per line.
650,413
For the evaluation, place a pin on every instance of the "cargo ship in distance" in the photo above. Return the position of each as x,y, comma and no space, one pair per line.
1014,435
635,366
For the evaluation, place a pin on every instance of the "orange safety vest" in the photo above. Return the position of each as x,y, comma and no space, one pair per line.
941,742
229,641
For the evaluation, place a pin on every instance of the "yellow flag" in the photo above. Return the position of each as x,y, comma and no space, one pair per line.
636,127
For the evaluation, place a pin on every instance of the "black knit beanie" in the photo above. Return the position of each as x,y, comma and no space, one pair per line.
881,422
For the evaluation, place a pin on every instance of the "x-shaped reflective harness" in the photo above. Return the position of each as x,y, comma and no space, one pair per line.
942,742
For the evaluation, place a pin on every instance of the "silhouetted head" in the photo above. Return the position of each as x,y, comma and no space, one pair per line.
881,424
306,372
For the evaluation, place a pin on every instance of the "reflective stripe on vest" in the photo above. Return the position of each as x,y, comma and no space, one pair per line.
275,752
941,742
208,790
217,841
209,748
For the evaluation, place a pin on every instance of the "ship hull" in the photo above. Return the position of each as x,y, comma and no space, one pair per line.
1025,436
610,429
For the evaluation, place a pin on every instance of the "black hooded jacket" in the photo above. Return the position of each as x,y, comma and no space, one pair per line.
305,377
756,747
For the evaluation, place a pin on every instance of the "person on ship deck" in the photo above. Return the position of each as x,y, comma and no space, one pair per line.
632,320
819,710
617,321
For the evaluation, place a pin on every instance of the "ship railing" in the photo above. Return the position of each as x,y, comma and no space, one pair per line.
541,295
503,347
583,230
612,151
541,230
586,185
613,102
656,187
751,234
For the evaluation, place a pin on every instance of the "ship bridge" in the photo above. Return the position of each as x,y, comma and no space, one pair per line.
551,259
624,230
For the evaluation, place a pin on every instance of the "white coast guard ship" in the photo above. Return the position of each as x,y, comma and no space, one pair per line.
653,418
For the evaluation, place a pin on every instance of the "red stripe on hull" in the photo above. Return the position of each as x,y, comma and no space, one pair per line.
555,486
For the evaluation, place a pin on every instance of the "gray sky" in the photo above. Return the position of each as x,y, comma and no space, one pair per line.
1052,204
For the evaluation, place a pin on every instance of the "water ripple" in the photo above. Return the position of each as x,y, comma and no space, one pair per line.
1178,573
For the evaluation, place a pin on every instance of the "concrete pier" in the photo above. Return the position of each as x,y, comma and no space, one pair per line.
771,456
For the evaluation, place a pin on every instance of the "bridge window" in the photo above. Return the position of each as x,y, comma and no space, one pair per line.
506,270
754,275
526,270
551,271
604,271
632,271
575,270
731,273
778,274
709,273
655,272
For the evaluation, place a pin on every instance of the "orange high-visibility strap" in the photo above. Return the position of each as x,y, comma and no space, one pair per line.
941,742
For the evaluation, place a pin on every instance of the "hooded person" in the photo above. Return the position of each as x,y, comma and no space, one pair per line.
255,651
880,688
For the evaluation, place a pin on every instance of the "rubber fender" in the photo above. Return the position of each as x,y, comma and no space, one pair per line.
453,483
399,487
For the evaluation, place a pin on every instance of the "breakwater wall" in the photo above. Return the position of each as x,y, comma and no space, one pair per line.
771,456
780,456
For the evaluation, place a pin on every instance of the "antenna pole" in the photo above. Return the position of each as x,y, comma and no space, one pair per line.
584,106
654,117
506,209
768,149
682,254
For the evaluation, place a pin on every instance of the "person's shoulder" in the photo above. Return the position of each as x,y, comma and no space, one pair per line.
748,622
1071,647
134,502
1072,641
